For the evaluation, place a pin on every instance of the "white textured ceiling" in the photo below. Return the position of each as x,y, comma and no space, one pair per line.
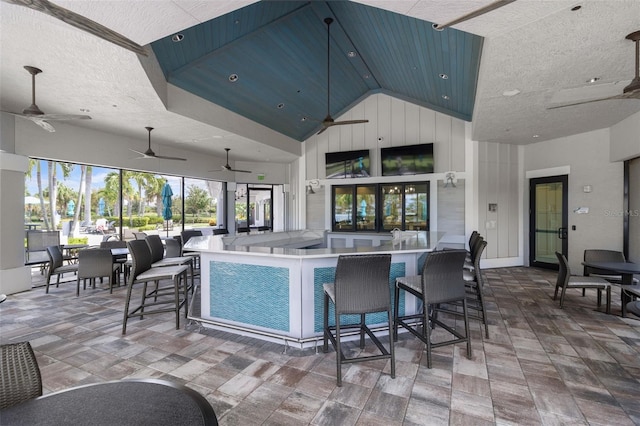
541,48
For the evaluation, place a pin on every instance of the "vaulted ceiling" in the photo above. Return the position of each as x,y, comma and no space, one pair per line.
269,62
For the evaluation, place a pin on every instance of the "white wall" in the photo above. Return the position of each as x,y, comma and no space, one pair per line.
625,139
587,157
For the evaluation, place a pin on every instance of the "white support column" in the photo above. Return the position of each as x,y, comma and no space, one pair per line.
14,276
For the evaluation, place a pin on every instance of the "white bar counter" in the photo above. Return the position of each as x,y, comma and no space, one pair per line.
268,286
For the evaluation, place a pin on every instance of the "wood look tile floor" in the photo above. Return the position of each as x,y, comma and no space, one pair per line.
541,364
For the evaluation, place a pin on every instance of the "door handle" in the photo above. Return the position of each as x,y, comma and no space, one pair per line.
562,233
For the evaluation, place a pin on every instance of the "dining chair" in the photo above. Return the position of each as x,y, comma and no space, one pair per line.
360,287
164,297
441,281
158,258
57,266
140,235
96,263
566,281
20,378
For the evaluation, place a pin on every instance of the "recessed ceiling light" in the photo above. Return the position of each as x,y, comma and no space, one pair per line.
366,76
445,97
85,110
593,79
351,54
435,27
536,136
177,38
233,78
510,92
443,76
280,105
303,119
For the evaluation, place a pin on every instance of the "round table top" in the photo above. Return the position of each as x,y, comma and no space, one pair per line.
125,402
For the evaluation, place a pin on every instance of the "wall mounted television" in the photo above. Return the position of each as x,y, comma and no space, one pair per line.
407,160
347,164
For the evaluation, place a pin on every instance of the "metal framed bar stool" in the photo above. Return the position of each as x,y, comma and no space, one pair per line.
361,286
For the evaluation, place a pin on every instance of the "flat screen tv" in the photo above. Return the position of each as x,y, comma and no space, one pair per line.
347,164
407,160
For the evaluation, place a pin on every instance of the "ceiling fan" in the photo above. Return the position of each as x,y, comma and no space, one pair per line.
228,168
80,22
35,114
328,120
150,154
474,14
632,91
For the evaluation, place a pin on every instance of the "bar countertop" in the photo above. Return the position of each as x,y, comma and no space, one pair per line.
281,244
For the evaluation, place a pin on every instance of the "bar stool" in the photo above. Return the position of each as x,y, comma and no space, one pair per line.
164,299
441,281
361,286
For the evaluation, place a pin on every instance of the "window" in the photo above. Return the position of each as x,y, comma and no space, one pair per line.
90,202
383,207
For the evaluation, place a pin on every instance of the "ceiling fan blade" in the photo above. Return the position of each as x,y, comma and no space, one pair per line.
79,21
322,130
623,96
42,123
141,154
474,14
64,117
340,123
240,171
164,157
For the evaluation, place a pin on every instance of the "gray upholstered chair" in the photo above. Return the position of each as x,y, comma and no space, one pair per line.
173,248
57,266
158,258
361,286
96,263
600,255
441,281
164,297
566,281
20,378
140,235
474,283
184,238
122,259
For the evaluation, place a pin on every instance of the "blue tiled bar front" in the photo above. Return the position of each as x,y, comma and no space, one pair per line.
275,293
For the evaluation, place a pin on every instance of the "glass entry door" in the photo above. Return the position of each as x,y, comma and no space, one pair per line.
547,220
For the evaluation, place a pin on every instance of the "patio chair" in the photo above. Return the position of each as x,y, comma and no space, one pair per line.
20,378
57,266
474,283
566,281
123,259
361,286
158,258
441,282
96,263
185,236
163,298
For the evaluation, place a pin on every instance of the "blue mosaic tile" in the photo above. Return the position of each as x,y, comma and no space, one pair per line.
260,298
327,274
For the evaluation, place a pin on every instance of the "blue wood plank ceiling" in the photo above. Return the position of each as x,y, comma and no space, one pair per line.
278,51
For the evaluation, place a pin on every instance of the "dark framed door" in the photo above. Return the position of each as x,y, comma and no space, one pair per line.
548,220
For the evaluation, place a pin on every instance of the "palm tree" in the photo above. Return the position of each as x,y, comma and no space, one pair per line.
87,195
38,166
53,187
76,213
153,191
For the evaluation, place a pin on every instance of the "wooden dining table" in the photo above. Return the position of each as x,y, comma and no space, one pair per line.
626,270
124,402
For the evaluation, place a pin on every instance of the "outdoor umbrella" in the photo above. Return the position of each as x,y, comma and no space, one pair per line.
71,206
101,207
167,193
